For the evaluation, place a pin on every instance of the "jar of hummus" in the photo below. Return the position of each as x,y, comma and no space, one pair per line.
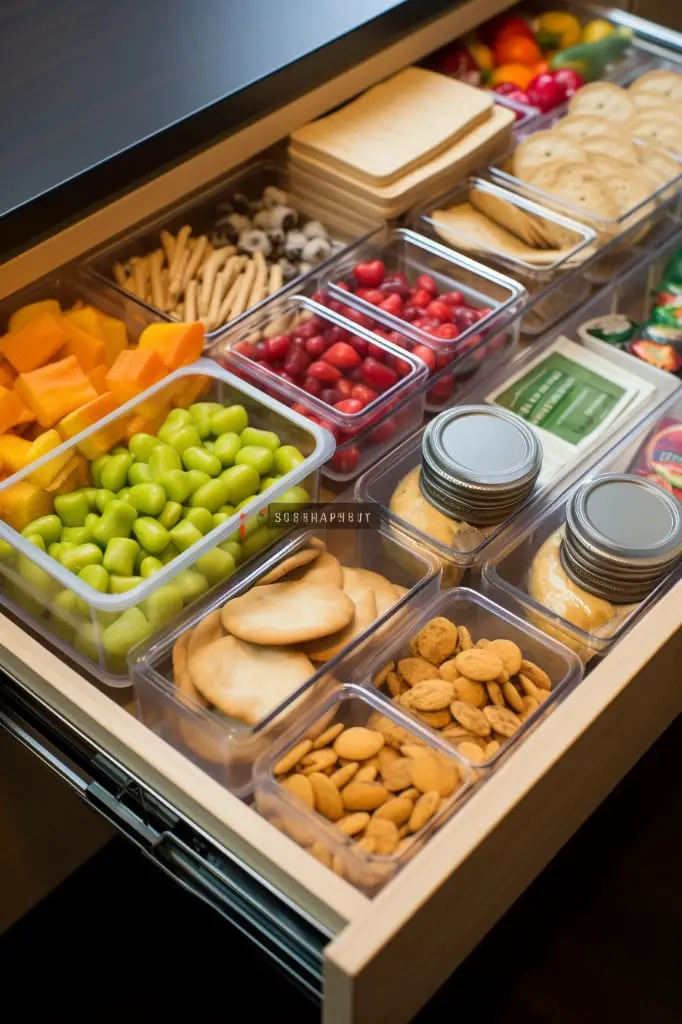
621,537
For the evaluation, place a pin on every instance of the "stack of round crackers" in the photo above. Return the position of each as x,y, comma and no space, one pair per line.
249,656
613,151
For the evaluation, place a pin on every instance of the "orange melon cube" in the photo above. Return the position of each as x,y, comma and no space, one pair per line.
12,410
98,377
34,344
115,334
47,442
24,315
88,349
53,391
177,344
8,374
133,372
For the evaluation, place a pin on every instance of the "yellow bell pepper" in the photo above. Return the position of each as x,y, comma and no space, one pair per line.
482,54
596,30
558,30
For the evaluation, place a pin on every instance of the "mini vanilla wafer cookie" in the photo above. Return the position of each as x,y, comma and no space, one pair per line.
580,126
541,148
603,99
663,83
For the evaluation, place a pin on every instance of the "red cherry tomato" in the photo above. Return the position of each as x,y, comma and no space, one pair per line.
345,460
507,25
420,298
569,80
545,92
349,406
427,283
393,304
342,356
439,311
363,393
378,375
324,371
427,355
371,274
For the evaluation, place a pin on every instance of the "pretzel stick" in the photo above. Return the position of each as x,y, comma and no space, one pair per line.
223,283
120,275
246,280
140,265
229,300
190,310
165,281
176,266
208,252
237,263
276,279
155,264
212,267
193,262
168,243
260,287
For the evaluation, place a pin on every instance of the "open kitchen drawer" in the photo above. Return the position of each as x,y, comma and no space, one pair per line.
370,960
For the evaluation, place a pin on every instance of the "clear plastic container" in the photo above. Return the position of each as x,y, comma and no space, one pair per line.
465,552
80,626
553,288
371,430
68,289
345,224
505,575
486,620
352,706
223,746
633,230
405,252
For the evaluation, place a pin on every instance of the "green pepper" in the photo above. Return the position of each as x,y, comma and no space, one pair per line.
590,60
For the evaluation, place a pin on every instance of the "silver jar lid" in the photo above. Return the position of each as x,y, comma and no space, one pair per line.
623,536
479,463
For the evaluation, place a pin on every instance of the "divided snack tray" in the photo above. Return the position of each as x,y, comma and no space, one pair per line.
345,224
80,632
485,619
553,288
378,483
370,431
223,746
505,574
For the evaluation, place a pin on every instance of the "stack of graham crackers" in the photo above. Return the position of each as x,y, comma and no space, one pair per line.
408,137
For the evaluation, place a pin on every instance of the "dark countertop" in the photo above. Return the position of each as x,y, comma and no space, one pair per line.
98,96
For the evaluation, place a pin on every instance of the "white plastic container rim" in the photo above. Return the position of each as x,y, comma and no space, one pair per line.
324,449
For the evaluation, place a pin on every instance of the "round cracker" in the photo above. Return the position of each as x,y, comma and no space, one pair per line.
580,126
643,100
658,132
662,165
356,581
667,84
246,681
329,646
540,148
288,613
196,737
587,195
326,570
288,564
609,144
208,630
659,112
629,188
604,100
